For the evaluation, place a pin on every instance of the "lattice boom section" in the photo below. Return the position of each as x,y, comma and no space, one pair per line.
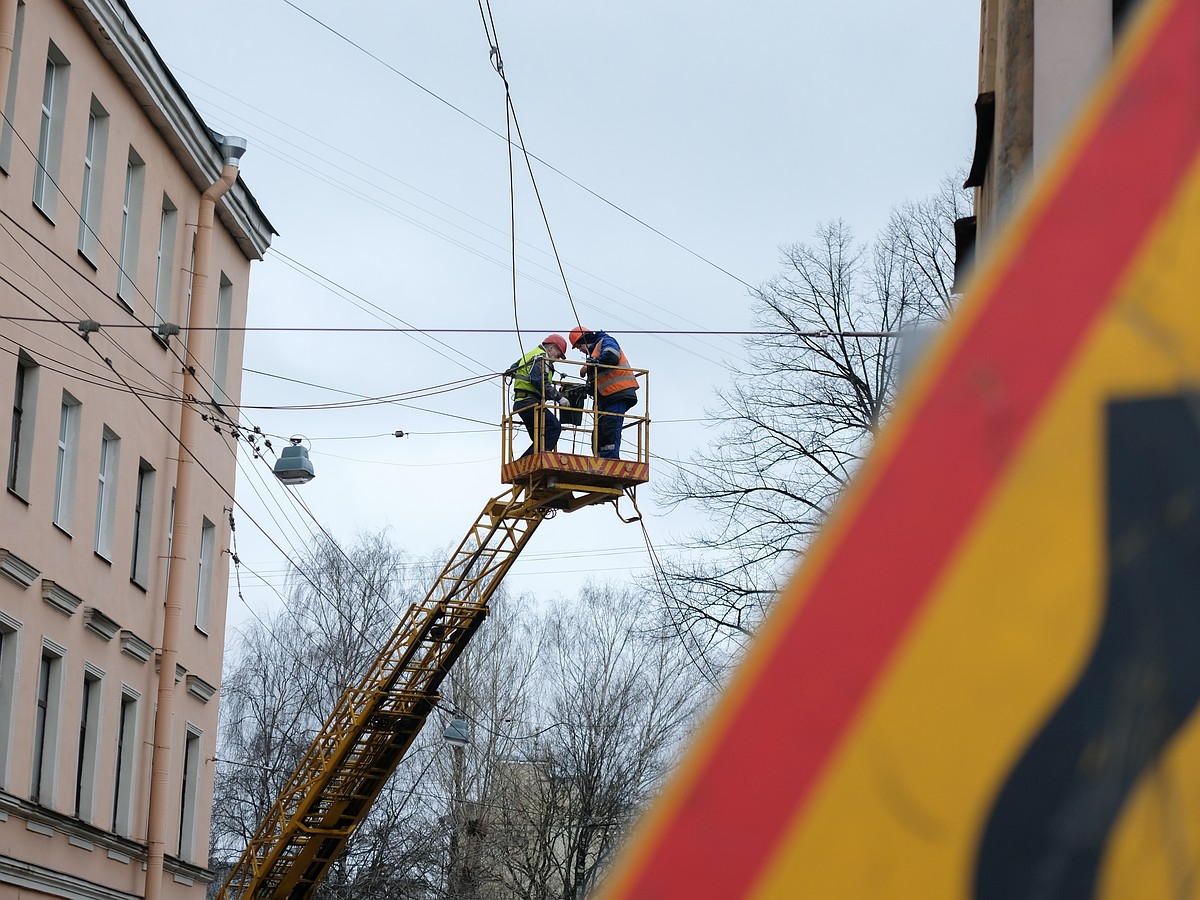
376,721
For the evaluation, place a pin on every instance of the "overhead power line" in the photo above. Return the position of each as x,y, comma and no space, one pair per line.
359,47
511,122
389,329
253,126
334,390
116,301
125,382
373,309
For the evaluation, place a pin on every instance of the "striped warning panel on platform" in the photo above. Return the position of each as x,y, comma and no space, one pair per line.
591,466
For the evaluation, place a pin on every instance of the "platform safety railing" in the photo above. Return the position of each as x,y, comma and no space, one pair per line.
578,417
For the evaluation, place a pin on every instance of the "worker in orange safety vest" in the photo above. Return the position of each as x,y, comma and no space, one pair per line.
610,382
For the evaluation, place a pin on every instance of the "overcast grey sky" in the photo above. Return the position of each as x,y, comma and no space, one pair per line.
730,128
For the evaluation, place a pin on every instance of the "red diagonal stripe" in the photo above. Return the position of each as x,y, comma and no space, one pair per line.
760,770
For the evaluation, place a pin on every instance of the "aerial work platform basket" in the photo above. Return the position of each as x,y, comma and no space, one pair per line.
573,475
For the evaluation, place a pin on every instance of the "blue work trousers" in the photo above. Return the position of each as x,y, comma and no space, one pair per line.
527,409
608,427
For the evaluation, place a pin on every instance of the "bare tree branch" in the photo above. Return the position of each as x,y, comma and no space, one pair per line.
801,412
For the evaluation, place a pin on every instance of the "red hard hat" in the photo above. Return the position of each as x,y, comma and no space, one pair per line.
558,341
576,335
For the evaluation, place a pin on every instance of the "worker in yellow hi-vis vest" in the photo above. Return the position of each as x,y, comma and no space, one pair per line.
532,388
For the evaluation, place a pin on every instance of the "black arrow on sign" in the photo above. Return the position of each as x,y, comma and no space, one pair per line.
1048,829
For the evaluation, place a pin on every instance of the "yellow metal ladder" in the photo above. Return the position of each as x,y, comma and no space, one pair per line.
375,722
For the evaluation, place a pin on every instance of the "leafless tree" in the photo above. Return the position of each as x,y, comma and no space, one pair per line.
492,687
575,713
284,677
801,412
612,707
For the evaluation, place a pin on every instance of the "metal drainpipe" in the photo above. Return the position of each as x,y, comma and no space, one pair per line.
8,34
186,511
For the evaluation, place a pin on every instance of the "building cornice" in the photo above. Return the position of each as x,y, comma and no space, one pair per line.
134,647
200,689
43,881
16,569
125,45
60,598
84,836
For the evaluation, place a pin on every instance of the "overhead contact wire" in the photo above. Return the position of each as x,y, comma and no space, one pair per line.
497,61
552,168
511,121
115,301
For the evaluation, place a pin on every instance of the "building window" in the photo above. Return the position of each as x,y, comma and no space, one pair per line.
188,793
208,534
170,542
20,450
106,491
89,738
165,261
131,226
143,508
64,477
50,132
187,308
93,181
10,633
126,752
221,353
10,100
85,199
45,725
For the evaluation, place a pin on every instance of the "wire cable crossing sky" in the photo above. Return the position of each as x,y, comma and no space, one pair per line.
389,275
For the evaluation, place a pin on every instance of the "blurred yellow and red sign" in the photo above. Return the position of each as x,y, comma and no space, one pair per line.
983,680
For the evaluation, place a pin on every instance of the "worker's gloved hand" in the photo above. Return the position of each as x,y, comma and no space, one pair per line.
576,395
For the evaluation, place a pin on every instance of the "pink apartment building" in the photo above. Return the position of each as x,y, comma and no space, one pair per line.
108,680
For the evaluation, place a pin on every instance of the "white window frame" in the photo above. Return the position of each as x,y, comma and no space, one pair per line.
10,656
92,196
204,579
46,724
106,491
20,446
50,131
187,306
170,542
10,100
126,761
131,228
221,341
165,262
143,517
91,703
68,451
85,196
189,792
41,174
